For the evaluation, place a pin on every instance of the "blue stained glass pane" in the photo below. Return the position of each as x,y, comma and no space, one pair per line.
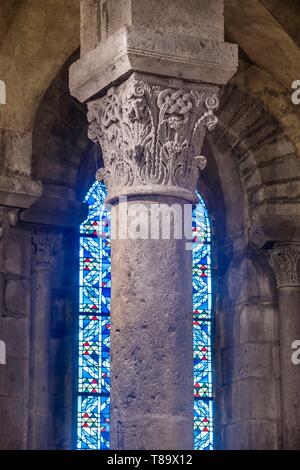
202,318
94,322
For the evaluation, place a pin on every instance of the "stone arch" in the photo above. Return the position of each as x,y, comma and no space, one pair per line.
233,185
261,153
245,153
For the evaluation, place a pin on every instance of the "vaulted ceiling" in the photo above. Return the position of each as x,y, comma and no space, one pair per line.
35,41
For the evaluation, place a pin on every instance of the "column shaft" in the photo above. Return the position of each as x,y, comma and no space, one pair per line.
45,246
289,331
39,401
151,343
285,260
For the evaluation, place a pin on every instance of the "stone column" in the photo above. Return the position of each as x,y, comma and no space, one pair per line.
285,261
150,135
45,247
152,93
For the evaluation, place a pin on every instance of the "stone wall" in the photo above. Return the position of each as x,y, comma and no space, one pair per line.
248,367
251,186
246,346
58,144
15,274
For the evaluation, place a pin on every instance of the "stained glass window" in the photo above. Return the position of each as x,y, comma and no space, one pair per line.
94,322
202,320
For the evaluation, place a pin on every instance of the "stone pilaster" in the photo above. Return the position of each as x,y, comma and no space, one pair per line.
285,262
45,247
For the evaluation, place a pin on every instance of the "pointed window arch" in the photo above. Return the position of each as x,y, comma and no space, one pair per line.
93,389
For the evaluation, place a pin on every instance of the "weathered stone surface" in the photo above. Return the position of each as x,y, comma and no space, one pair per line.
285,261
162,53
55,211
15,333
251,399
239,21
14,377
258,323
247,280
251,435
18,253
16,149
17,189
229,327
275,227
152,396
246,323
13,419
251,171
250,360
18,192
198,18
17,297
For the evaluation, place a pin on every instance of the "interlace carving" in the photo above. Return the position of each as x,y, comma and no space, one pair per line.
151,136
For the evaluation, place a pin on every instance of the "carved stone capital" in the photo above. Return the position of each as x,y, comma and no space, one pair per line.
151,132
285,262
45,247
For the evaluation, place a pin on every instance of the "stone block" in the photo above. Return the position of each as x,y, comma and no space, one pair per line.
17,297
250,399
200,18
258,323
249,360
248,280
251,435
236,436
17,150
14,378
279,149
161,53
18,253
258,399
19,191
15,333
12,442
13,419
277,170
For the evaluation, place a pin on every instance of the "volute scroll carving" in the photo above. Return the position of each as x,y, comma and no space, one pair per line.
151,137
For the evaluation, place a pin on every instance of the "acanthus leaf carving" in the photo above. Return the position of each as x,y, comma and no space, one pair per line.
285,262
151,136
